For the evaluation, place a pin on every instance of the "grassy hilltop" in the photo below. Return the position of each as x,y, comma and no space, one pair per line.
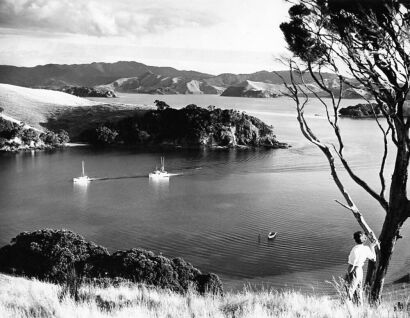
20,297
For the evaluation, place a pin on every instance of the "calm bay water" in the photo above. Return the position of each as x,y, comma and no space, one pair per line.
212,212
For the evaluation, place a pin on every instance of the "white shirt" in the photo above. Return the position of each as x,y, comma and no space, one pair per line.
359,254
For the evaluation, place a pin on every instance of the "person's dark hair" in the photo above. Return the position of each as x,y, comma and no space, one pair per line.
359,237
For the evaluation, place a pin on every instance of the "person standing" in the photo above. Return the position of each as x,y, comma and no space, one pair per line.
357,257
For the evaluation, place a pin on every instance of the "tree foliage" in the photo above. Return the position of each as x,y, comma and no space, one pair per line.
55,139
161,105
53,254
29,135
192,126
9,129
105,135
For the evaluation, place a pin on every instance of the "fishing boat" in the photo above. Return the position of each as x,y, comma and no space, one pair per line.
272,235
160,173
83,178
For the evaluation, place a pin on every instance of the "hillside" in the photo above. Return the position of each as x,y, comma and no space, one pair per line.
23,298
42,108
57,76
255,89
190,127
35,106
134,77
150,83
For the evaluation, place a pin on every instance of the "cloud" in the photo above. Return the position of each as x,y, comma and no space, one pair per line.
100,18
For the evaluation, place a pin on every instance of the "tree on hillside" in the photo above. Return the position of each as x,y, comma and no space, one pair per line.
29,135
63,137
105,135
366,43
161,105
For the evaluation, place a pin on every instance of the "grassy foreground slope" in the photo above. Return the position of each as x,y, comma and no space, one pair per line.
40,108
34,106
20,297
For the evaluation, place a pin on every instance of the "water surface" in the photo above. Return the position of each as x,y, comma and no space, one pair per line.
214,211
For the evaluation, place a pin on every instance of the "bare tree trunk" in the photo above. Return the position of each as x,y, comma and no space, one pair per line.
395,217
376,272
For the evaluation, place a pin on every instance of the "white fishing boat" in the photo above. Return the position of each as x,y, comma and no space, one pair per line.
83,178
160,173
272,235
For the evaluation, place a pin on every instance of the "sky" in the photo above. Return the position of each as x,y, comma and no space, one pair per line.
211,36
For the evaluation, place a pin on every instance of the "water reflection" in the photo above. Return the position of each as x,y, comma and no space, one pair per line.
80,193
160,185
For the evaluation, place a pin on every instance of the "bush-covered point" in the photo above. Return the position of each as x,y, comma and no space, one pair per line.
362,111
191,127
27,138
52,254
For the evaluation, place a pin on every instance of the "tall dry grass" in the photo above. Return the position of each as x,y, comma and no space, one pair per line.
21,297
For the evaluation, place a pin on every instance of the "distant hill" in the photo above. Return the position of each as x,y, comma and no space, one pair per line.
134,77
57,76
150,83
255,89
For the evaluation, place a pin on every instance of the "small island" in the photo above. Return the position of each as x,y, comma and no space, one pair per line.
361,111
82,91
190,127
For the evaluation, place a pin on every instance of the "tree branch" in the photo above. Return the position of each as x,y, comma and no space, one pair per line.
309,135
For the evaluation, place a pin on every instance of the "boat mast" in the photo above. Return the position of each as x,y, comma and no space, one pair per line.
82,164
162,164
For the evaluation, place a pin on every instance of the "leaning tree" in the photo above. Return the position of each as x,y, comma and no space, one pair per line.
366,44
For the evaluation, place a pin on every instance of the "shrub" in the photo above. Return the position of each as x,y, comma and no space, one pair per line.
28,135
55,139
3,142
64,257
49,138
161,105
9,130
47,254
63,137
105,135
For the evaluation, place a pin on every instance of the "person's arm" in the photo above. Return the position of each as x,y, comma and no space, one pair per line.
372,254
351,269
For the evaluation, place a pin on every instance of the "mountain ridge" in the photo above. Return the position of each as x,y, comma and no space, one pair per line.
135,77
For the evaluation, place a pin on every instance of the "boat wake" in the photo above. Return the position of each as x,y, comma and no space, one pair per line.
141,176
119,178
